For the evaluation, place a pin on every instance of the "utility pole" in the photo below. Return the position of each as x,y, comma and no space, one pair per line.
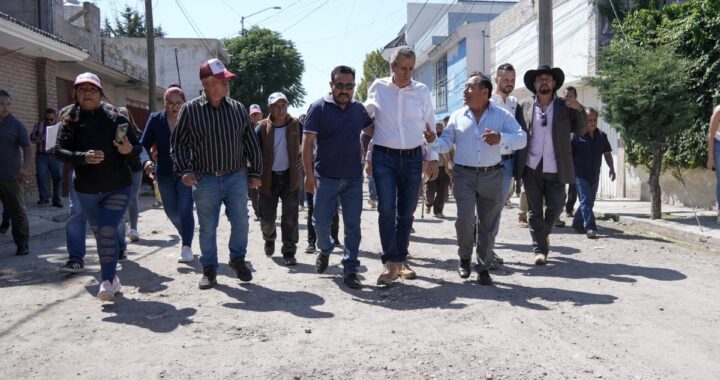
177,66
545,32
150,32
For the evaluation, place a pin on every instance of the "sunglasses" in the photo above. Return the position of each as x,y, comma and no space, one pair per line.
344,86
543,117
49,120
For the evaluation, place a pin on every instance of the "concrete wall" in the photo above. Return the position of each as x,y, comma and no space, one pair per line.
700,186
191,53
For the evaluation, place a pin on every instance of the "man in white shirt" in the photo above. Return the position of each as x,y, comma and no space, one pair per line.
402,110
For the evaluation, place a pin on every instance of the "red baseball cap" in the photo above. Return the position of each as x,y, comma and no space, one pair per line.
213,67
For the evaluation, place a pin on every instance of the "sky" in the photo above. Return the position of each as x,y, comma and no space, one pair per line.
327,33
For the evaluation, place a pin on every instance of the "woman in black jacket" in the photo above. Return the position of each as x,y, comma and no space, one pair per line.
99,142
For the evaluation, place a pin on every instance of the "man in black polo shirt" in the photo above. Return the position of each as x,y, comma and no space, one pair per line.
14,171
334,122
588,151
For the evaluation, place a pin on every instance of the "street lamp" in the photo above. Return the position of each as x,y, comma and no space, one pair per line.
242,18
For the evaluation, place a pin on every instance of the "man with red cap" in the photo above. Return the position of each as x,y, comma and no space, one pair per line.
215,150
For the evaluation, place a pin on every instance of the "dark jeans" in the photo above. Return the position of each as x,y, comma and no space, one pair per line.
397,175
541,187
585,217
572,196
280,191
334,227
178,206
45,162
436,191
14,206
104,212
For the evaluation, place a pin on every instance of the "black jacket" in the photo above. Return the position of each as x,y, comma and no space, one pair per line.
95,130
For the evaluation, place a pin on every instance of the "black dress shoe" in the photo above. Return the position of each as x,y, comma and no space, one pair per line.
321,263
122,256
464,268
57,204
498,259
43,202
484,278
242,271
289,261
4,227
22,249
208,279
352,281
269,248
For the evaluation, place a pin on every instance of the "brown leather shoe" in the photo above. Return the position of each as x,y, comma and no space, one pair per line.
406,272
540,259
522,222
392,270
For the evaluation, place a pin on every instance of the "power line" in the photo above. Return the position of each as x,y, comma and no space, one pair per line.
416,17
281,11
306,16
194,27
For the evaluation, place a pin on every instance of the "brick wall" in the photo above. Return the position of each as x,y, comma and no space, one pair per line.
29,81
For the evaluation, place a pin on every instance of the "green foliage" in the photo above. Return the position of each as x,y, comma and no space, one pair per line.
692,30
644,90
375,66
130,24
265,63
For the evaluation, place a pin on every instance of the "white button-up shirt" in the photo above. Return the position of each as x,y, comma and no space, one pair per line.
510,104
400,114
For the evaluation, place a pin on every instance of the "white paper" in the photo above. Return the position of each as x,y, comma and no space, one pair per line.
51,134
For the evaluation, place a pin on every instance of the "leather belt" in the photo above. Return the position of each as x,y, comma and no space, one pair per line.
507,156
482,169
400,152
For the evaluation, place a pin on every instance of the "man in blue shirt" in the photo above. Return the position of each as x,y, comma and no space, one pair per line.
14,171
334,123
477,131
588,151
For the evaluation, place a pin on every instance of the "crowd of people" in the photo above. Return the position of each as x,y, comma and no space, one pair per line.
211,152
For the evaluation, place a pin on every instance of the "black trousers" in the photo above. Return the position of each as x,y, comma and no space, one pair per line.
436,191
571,198
334,227
254,194
14,207
542,187
280,191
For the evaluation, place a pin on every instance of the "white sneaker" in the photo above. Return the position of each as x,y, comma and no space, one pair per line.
592,234
133,235
107,289
186,255
372,203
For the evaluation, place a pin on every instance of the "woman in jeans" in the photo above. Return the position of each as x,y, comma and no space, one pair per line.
103,180
137,176
177,198
713,140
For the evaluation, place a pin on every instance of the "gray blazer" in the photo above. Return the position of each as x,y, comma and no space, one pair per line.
565,121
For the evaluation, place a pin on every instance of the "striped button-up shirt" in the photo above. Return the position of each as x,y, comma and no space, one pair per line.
210,140
466,133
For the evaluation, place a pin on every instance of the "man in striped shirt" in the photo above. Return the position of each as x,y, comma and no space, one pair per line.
214,149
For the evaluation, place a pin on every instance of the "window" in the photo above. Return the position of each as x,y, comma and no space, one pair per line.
440,87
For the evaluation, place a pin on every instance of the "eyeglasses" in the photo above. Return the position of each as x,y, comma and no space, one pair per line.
49,120
344,86
87,90
543,117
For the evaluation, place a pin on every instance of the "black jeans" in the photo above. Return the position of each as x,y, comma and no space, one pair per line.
280,191
572,196
541,187
334,228
13,202
253,194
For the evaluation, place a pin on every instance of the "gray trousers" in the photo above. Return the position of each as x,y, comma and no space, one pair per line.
481,192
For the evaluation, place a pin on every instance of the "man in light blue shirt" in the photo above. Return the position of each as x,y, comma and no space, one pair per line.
477,131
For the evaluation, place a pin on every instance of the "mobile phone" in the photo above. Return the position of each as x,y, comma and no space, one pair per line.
121,132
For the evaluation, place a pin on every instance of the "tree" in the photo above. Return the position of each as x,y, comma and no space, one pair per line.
265,63
644,90
130,24
375,66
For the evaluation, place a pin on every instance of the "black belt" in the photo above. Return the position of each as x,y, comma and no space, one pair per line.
283,172
507,156
483,169
220,174
400,152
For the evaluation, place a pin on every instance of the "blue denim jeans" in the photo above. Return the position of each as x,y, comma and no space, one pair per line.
133,206
209,194
585,217
372,191
178,205
104,212
716,153
397,180
75,228
45,162
508,166
349,192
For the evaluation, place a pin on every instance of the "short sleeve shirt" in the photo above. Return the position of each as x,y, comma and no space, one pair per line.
337,133
587,154
13,136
